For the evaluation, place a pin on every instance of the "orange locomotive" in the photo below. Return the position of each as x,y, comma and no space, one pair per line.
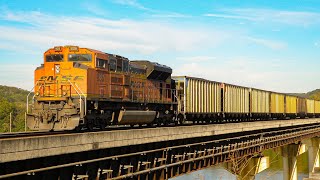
81,87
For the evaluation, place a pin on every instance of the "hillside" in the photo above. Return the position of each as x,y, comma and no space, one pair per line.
12,100
315,94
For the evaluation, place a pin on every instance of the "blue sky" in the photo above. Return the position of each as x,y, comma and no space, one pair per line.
273,45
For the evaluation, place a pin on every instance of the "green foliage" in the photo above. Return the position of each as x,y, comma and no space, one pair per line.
314,94
12,100
5,109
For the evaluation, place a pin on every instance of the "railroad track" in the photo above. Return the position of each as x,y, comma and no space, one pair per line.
110,128
29,134
48,133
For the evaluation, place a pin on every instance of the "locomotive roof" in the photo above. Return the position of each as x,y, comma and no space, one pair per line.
153,63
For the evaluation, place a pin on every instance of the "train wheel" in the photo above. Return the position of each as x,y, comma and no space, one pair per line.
78,129
166,123
180,119
102,126
90,126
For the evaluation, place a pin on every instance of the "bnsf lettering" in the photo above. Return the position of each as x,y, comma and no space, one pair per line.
62,78
51,78
66,78
78,78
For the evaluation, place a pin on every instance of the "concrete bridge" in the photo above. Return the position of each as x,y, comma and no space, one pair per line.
161,153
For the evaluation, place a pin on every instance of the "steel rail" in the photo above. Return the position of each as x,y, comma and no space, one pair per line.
110,128
123,127
31,134
156,150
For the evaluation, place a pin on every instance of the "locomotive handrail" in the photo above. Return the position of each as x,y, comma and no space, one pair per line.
29,95
78,94
85,99
41,85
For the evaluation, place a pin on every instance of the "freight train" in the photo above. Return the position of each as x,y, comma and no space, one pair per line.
81,88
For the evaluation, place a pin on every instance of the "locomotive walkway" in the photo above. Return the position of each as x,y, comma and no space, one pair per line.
158,152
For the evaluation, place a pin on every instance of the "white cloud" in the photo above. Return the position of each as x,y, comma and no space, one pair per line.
227,16
132,3
17,75
138,37
129,36
170,15
273,44
141,38
274,75
153,12
300,18
196,58
94,8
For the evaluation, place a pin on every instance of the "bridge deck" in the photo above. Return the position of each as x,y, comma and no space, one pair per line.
13,149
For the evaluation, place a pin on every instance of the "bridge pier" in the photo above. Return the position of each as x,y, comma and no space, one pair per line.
247,167
289,155
313,153
254,166
313,157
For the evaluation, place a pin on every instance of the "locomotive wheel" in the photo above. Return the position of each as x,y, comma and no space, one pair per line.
90,126
102,124
181,119
78,129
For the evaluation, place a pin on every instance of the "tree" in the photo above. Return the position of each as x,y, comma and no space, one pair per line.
5,109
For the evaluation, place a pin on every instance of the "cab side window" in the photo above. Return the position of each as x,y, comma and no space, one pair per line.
125,65
101,63
113,64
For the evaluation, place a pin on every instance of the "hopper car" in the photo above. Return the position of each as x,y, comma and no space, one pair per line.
81,88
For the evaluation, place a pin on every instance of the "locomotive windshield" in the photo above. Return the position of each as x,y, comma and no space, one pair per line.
80,57
54,58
